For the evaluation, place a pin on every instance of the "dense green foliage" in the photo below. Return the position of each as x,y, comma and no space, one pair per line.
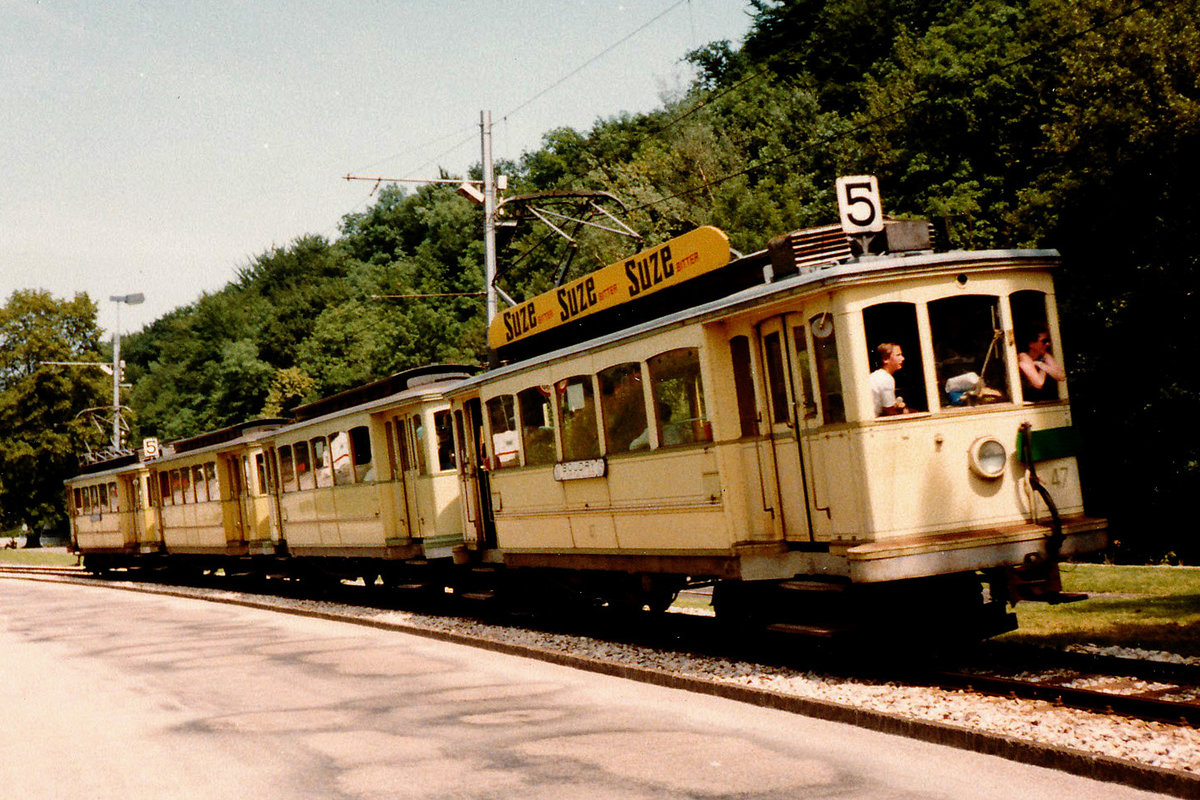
1060,123
40,432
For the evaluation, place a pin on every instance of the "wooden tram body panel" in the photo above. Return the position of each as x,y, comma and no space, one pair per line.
787,470
374,481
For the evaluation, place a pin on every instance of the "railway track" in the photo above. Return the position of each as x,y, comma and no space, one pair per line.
26,569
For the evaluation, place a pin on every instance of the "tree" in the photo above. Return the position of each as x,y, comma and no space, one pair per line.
40,433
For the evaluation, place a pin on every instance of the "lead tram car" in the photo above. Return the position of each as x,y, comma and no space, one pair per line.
736,441
680,418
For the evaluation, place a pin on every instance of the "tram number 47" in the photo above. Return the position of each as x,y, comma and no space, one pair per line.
859,205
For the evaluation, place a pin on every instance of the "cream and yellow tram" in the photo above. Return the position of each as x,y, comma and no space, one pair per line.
365,481
110,509
211,494
740,441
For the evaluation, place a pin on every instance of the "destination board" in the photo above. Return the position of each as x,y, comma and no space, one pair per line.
669,264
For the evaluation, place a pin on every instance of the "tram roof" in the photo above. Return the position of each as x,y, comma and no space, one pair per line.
846,271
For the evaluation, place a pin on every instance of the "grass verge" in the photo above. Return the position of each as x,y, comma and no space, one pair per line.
1153,608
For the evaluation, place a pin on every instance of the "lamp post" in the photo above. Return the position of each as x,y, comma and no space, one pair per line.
119,299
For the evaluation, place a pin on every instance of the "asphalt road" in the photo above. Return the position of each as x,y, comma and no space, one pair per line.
112,694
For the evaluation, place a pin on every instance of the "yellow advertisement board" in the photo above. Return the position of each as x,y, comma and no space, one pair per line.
654,269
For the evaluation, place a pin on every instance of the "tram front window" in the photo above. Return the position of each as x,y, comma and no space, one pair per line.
895,324
969,350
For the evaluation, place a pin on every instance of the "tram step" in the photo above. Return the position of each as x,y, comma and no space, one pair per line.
813,586
797,629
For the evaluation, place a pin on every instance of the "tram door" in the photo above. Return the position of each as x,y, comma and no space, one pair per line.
407,430
794,413
235,518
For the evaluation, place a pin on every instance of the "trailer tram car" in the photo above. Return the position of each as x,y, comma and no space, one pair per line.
680,418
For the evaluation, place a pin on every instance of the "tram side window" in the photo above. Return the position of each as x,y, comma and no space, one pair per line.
176,488
304,475
623,408
804,366
103,496
95,499
968,349
361,454
260,469
343,448
418,429
537,426
164,488
776,379
743,385
828,368
577,417
678,397
1039,381
503,420
287,470
896,324
445,440
322,468
199,490
78,501
214,487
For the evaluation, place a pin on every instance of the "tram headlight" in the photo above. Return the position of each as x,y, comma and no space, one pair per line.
988,457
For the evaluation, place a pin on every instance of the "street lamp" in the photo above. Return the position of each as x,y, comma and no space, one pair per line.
119,299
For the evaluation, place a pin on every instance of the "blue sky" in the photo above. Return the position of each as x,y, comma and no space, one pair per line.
158,147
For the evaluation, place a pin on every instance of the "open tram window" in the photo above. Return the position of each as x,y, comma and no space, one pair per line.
968,349
577,417
199,488
360,454
679,397
1040,370
214,487
321,463
445,440
896,324
828,369
185,485
502,417
103,496
623,408
340,459
164,488
537,425
78,506
287,470
304,475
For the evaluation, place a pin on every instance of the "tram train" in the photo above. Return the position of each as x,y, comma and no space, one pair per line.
687,417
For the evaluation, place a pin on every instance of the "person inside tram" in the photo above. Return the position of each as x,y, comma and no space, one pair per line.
883,380
1040,373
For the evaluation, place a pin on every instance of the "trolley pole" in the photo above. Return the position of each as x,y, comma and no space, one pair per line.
120,299
489,214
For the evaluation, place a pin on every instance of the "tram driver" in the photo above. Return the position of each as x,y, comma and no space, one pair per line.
883,380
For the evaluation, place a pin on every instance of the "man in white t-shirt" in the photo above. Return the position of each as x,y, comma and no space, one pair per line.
883,381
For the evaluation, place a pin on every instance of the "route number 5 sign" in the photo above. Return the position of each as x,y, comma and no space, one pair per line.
858,204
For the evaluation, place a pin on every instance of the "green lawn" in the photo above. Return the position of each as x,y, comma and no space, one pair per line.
38,556
1155,608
